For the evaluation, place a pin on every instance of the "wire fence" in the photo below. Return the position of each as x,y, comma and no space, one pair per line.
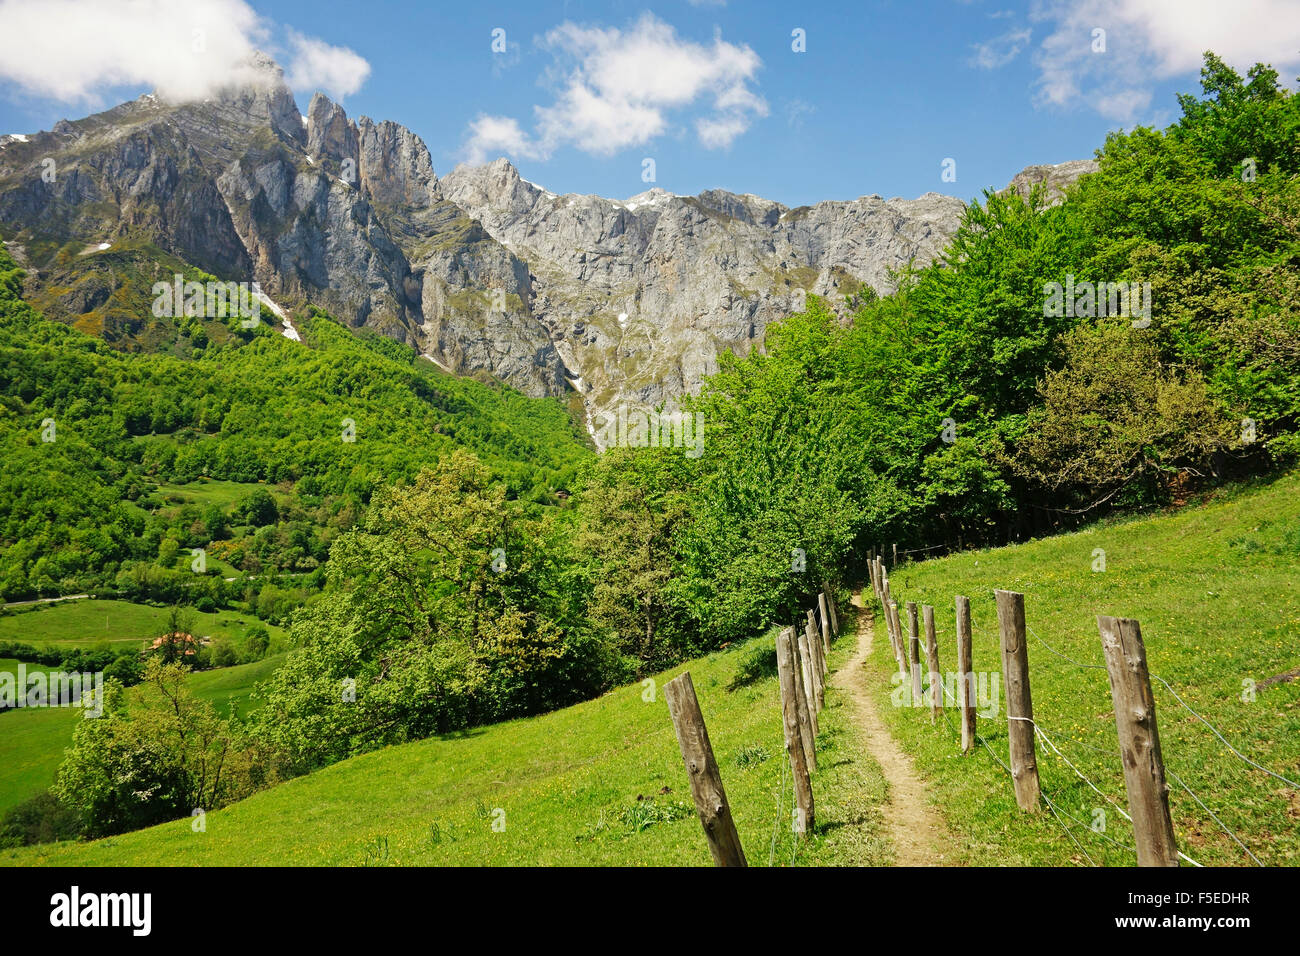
1055,799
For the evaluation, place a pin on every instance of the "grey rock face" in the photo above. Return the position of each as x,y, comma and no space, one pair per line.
1054,178
626,301
642,295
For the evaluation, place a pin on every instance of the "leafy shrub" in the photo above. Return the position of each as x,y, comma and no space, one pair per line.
41,819
751,755
648,812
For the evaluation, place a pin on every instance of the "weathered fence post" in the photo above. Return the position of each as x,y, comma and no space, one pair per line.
914,652
890,627
932,663
1139,741
830,606
823,607
900,651
819,663
702,769
966,676
815,642
894,563
1020,706
807,719
794,746
809,666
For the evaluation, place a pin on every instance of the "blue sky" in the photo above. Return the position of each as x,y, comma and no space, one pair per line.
712,92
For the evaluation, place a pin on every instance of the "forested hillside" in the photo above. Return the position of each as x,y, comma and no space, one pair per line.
91,434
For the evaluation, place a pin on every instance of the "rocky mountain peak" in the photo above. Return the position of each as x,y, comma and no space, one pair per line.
330,134
257,89
496,185
1054,177
396,168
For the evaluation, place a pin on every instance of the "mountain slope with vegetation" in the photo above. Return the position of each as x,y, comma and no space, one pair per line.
90,435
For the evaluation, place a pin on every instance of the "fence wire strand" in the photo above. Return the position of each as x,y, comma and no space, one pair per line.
1052,805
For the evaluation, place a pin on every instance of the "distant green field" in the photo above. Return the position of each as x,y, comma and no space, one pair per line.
1216,589
31,749
10,665
584,785
91,623
224,686
32,741
207,492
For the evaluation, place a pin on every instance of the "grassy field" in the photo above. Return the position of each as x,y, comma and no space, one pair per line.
95,623
31,745
211,492
598,783
1214,586
1217,591
32,740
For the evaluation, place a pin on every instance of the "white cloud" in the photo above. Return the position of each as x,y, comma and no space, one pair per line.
720,131
492,136
76,50
1151,40
316,65
1000,50
619,88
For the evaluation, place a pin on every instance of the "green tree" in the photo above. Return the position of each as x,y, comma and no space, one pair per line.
259,508
1113,416
634,505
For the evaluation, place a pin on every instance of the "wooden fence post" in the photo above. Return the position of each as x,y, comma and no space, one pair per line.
900,651
819,663
894,563
932,663
807,719
702,769
814,641
809,666
830,606
794,746
914,652
1020,706
966,676
1139,741
823,607
891,627
810,625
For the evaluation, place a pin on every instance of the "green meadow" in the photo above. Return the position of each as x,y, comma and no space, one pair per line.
32,741
602,782
1216,589
598,783
101,623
